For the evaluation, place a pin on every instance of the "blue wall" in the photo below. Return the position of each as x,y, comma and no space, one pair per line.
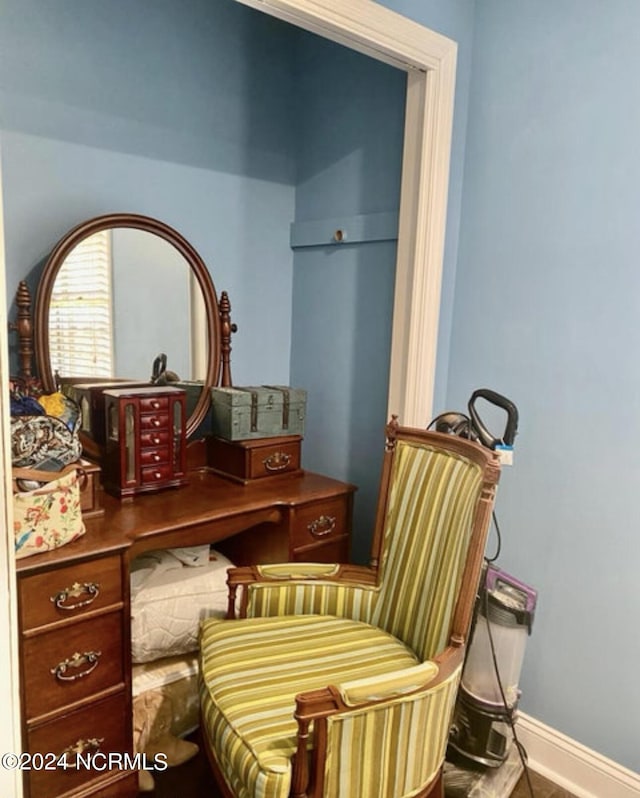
547,305
540,282
227,125
343,294
350,145
357,170
187,117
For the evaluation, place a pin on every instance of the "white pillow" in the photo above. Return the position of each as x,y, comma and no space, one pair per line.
169,600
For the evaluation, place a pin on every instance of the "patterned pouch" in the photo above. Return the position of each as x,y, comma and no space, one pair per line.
44,442
49,516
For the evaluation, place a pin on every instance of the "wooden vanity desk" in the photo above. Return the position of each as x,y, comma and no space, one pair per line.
75,656
74,603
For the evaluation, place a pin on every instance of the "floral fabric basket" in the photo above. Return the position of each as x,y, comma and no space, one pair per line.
48,516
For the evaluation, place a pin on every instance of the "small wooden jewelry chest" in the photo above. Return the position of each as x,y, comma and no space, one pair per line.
145,446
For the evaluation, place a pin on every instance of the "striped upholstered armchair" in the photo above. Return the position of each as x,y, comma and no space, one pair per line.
338,681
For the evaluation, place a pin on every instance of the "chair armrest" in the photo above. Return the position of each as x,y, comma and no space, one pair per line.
430,687
372,689
281,582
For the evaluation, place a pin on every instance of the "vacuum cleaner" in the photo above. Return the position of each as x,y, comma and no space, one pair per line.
482,731
485,713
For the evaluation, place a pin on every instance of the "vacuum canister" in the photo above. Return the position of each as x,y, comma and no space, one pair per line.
486,707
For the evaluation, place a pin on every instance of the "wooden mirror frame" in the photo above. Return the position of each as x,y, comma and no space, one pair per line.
218,323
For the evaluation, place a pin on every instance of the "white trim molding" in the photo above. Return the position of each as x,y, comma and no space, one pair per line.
573,766
430,62
10,780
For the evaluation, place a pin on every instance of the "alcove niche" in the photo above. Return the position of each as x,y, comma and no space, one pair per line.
429,60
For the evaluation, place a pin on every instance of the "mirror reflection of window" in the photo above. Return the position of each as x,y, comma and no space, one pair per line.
80,315
199,343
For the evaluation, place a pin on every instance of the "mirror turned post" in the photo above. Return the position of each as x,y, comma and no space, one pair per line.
226,329
24,329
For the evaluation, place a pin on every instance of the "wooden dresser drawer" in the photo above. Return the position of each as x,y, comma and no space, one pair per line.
70,592
320,522
334,550
244,461
72,663
101,728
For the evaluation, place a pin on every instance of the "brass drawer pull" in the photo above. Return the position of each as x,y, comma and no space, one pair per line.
277,461
91,658
324,525
71,753
76,590
82,746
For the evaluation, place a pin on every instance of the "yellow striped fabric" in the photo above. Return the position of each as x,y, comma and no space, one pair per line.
306,597
390,751
378,688
251,671
427,531
298,570
310,633
426,535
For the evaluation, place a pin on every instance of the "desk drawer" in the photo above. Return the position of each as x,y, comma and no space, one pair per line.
99,729
320,522
67,593
70,664
244,461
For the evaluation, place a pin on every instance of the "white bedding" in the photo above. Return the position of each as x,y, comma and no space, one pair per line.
163,672
165,698
171,592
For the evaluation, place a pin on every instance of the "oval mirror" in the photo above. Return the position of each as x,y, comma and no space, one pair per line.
118,291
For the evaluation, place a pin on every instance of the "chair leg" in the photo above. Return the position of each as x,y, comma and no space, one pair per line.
436,788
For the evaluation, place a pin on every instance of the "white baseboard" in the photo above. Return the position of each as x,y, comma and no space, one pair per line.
572,766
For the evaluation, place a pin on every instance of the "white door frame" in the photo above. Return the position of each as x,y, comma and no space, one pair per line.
10,779
430,62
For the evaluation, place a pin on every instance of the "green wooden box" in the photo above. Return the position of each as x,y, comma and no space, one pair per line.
261,411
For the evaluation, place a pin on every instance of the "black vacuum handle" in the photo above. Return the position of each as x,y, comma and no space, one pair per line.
507,405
